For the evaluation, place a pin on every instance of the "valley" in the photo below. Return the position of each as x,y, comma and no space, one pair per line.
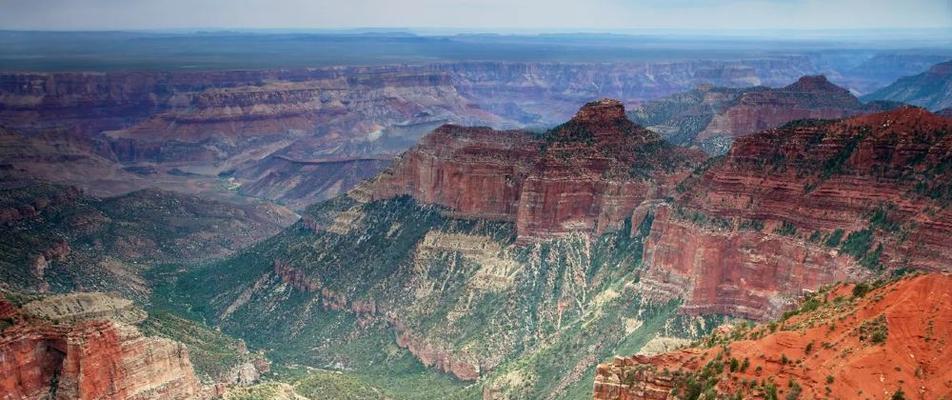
495,217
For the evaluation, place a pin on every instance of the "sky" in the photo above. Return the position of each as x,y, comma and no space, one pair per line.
476,15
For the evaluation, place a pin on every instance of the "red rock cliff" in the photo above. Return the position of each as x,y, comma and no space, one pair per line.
585,175
89,360
789,210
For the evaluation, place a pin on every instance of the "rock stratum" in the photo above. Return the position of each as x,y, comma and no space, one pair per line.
586,175
301,136
846,341
790,209
82,346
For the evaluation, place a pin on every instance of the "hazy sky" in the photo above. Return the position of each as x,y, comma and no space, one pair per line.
476,14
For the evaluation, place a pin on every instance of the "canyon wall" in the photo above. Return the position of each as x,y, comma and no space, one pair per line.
792,209
712,117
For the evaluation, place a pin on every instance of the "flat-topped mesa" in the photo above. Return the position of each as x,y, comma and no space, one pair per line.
600,122
814,83
586,175
601,114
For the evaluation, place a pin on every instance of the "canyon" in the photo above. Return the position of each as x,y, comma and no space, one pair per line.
593,238
474,228
297,136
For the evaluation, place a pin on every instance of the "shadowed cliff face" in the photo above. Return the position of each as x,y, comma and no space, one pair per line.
841,343
586,175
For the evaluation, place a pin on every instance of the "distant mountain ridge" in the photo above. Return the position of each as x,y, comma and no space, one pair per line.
712,117
931,89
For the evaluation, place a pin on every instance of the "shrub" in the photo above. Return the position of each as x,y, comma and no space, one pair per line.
786,229
834,239
871,260
899,395
857,243
860,290
795,390
770,391
829,379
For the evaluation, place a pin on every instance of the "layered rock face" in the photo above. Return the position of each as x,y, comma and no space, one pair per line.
586,175
843,343
89,357
789,210
712,117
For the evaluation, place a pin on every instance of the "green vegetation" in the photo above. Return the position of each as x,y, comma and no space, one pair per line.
212,353
786,229
834,239
795,390
860,290
571,299
834,165
874,331
857,244
898,395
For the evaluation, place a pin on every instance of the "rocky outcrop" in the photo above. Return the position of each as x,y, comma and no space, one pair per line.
792,209
931,89
585,175
41,356
712,117
842,343
439,359
742,273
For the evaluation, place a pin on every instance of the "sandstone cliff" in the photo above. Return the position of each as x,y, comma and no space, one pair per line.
586,175
74,347
791,209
